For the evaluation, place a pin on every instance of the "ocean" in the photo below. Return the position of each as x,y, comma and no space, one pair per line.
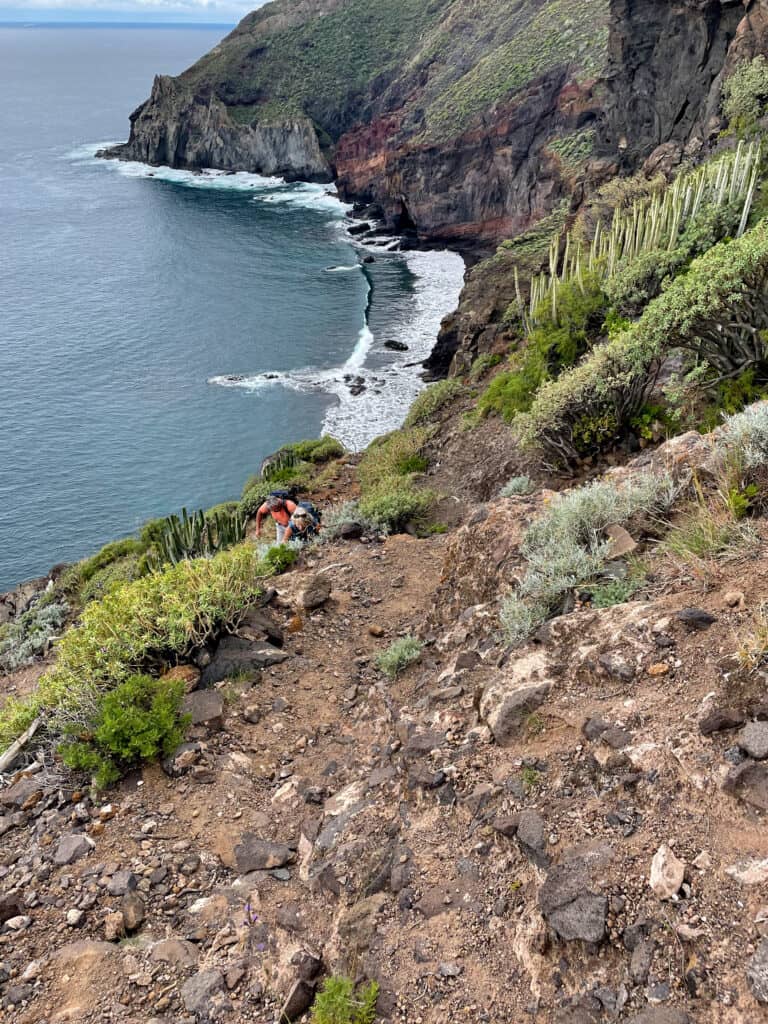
162,331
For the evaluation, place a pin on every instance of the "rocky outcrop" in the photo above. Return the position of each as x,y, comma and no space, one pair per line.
181,130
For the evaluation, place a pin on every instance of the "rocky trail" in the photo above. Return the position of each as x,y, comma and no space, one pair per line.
573,835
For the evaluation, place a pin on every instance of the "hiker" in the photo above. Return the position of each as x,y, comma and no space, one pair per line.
304,524
281,508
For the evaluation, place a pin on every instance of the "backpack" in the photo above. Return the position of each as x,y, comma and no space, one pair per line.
283,495
315,512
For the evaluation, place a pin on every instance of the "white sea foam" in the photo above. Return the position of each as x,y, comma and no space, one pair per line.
389,391
265,189
343,270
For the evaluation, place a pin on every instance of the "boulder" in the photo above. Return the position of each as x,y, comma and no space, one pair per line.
10,906
254,854
721,719
315,591
695,619
121,882
260,624
71,848
299,1000
189,675
395,346
236,655
357,926
25,792
204,707
178,952
621,542
667,873
749,783
507,703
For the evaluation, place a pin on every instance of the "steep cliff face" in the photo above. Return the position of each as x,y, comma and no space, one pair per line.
470,121
441,111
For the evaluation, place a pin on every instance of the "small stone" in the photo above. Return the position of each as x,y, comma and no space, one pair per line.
254,854
720,719
703,861
316,591
18,923
133,911
695,618
376,631
658,668
667,873
298,1001
734,598
114,926
121,882
75,918
753,740
178,952
205,707
449,970
622,542
252,714
198,991
749,872
72,848
617,667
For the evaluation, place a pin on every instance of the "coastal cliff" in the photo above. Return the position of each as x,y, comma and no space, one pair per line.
468,125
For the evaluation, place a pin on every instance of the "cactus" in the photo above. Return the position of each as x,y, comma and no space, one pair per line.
647,226
198,535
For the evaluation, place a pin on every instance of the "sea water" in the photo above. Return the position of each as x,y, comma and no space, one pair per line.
161,331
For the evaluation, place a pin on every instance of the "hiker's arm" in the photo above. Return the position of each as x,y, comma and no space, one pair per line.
262,511
291,507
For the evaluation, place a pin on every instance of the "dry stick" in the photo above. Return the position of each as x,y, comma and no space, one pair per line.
7,759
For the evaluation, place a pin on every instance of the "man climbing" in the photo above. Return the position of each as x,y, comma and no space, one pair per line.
303,524
281,509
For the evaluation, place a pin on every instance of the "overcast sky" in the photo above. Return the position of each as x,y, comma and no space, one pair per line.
219,11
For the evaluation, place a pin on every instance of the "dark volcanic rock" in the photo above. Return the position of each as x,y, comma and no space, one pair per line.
696,618
721,719
236,655
749,782
757,973
254,854
567,899
396,346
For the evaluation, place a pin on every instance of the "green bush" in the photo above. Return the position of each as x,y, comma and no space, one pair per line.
560,339
135,627
745,95
279,557
714,314
483,364
122,570
744,437
519,618
398,656
199,535
390,498
74,578
338,1003
137,721
612,592
434,398
394,502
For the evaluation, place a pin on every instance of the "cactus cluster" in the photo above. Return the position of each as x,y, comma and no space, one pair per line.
649,225
199,535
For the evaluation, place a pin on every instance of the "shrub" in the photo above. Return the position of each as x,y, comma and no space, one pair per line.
73,578
390,499
745,95
398,656
708,533
279,557
517,485
397,454
753,651
137,721
612,592
394,503
347,512
338,1003
564,547
561,337
136,626
122,570
432,400
519,618
25,638
715,313
483,364
744,437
